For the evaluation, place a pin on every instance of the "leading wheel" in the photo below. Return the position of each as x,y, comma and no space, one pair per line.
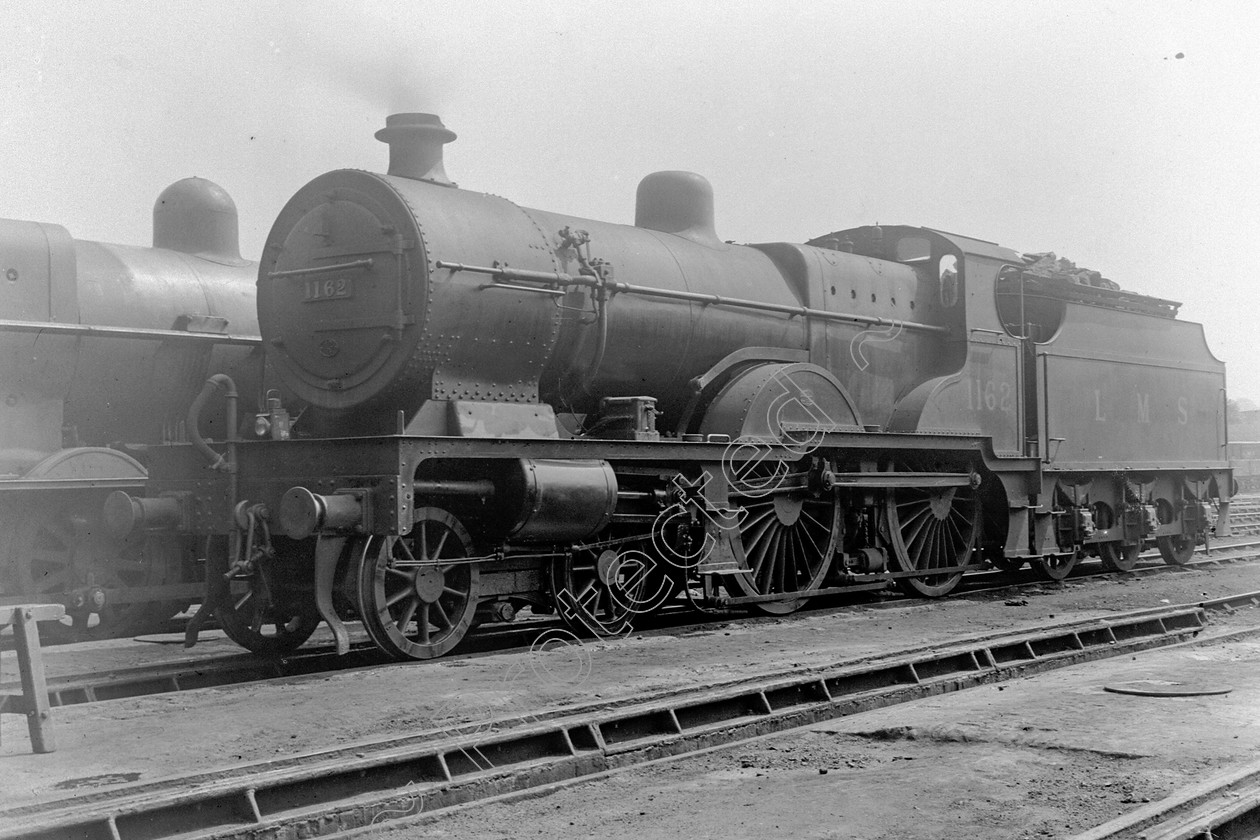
789,536
1176,549
418,593
931,528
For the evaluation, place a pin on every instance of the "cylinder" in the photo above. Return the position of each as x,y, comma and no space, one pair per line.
560,500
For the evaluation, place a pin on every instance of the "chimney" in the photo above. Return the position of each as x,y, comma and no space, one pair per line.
415,146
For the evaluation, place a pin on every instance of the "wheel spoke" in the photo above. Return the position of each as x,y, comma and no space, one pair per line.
920,545
401,544
409,612
756,537
812,520
256,618
914,548
757,526
800,558
937,553
423,624
398,596
774,565
783,556
792,558
957,540
424,539
772,559
764,560
437,552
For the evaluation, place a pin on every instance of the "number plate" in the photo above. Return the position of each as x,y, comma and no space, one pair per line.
335,288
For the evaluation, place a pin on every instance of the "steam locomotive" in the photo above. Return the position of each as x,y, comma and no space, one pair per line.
508,407
101,350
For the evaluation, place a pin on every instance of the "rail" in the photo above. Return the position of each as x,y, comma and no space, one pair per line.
128,333
562,279
1225,806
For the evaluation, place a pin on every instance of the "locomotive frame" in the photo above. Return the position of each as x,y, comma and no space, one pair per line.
484,428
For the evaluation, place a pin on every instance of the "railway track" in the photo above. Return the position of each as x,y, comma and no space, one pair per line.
1245,516
422,774
1150,563
1225,807
1245,521
240,668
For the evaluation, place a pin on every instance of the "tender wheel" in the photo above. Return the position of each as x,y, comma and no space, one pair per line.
264,618
789,537
601,591
1008,565
931,529
418,593
1055,567
1176,550
1104,515
1119,558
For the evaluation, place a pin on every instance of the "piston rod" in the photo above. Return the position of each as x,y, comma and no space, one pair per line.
478,487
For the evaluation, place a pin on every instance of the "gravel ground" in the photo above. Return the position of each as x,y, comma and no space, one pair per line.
1046,756
148,738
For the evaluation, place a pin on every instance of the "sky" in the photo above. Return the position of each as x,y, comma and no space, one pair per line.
1124,136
